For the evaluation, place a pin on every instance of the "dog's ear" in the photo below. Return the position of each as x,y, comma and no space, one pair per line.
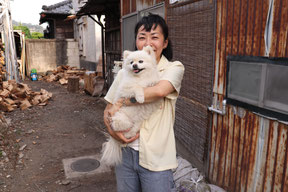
126,53
148,49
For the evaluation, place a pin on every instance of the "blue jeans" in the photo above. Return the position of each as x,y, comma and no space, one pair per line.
131,177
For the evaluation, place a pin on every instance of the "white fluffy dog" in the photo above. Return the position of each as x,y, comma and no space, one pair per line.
139,71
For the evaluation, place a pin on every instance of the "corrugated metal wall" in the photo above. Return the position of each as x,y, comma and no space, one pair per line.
247,152
191,27
130,6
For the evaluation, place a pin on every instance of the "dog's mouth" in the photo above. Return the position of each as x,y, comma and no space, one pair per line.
138,70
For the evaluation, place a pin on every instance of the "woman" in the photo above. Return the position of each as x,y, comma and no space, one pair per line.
149,156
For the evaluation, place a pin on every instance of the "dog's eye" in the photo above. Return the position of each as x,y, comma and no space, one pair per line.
140,61
131,62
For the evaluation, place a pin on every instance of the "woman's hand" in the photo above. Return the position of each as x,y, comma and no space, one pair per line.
123,139
115,107
117,135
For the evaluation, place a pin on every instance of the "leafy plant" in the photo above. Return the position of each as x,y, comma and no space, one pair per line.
37,35
24,29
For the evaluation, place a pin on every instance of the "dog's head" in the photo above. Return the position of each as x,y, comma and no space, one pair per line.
140,61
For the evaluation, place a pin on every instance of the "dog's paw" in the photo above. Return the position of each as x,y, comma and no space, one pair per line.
139,98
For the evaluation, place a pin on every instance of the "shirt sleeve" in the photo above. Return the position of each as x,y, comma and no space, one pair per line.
112,90
174,74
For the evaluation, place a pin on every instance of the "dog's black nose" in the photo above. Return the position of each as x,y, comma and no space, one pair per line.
135,66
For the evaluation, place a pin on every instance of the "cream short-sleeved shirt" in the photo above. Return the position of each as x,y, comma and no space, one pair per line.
157,150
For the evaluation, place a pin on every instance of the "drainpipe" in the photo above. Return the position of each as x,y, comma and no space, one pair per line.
102,41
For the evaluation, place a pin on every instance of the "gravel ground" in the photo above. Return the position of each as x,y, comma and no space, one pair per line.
71,125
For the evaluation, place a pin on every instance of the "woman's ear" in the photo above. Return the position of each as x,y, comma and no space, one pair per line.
166,41
126,53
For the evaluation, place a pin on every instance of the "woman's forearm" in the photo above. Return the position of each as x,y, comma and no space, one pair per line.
160,90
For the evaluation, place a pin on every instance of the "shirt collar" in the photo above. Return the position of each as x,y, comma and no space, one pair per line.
162,63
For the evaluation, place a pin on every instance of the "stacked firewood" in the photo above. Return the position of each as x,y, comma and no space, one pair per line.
14,95
2,62
62,73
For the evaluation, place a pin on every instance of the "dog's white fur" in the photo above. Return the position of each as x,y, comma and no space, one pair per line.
131,117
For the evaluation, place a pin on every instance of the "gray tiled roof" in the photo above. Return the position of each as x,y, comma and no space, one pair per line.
63,7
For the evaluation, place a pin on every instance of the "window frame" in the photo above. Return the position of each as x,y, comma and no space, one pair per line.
262,106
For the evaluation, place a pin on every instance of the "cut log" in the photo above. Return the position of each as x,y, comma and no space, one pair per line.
63,81
25,104
6,107
73,84
4,93
9,101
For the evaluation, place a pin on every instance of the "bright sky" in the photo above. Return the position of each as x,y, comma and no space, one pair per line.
27,11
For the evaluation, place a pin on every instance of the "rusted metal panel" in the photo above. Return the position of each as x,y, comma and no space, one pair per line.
283,30
277,8
125,7
217,46
133,6
262,146
229,144
270,158
257,23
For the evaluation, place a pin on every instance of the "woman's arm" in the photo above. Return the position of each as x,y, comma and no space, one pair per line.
160,90
118,135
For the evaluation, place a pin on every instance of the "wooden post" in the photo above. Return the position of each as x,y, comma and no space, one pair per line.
73,84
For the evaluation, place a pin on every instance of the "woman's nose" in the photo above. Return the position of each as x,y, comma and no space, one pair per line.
148,42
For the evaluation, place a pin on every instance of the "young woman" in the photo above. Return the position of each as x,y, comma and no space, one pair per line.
149,156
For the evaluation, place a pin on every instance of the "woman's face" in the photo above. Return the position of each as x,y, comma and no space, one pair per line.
154,38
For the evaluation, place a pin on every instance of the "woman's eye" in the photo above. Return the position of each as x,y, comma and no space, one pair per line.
141,38
140,61
154,37
131,62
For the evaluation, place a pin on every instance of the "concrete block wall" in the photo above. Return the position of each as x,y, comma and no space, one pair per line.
47,54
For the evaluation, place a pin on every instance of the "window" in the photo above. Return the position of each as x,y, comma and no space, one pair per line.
260,84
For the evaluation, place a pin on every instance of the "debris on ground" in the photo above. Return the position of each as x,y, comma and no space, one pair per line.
19,95
2,63
91,82
189,179
62,73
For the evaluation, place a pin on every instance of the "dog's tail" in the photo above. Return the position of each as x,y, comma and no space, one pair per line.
111,152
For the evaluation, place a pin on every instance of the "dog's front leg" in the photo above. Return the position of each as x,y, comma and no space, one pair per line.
139,94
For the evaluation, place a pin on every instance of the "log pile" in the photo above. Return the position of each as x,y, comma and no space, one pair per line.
19,95
2,63
62,73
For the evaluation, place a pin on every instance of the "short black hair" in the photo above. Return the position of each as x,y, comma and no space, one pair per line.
154,20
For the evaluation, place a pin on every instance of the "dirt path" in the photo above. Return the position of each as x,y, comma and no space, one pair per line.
71,125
